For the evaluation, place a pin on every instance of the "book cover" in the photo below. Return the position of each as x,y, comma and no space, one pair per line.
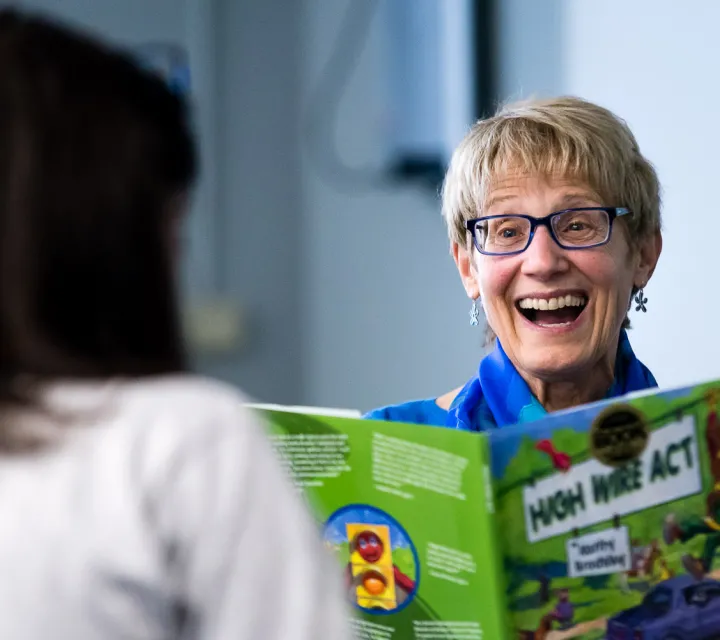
408,513
611,519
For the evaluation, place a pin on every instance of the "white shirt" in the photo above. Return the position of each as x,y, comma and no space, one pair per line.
161,513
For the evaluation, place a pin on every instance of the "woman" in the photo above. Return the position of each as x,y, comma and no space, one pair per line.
136,500
554,223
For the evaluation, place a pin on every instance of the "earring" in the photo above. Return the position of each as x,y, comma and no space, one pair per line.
474,313
641,301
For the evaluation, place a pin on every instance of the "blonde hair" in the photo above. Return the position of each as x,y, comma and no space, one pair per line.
567,137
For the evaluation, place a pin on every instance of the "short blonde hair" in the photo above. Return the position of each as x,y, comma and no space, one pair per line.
567,137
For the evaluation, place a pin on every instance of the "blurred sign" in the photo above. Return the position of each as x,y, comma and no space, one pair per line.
599,553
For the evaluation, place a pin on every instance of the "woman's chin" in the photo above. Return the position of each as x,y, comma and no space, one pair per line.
553,360
554,367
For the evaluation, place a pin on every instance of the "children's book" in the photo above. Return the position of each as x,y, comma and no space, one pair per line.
597,522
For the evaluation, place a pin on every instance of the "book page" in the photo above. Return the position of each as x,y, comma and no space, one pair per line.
407,512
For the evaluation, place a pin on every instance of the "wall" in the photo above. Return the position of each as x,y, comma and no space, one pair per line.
385,313
530,48
128,21
261,216
655,64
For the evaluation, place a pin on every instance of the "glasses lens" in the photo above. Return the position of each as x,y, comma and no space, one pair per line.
502,235
581,228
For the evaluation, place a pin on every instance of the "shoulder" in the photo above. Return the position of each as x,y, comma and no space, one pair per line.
162,420
414,412
193,397
193,410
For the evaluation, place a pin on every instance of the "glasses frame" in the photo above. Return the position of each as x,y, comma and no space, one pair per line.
612,213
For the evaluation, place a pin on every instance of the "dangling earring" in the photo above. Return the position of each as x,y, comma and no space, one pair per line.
474,314
641,301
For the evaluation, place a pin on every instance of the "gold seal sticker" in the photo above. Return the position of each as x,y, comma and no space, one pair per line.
619,435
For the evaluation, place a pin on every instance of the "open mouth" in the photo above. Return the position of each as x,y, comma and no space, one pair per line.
552,312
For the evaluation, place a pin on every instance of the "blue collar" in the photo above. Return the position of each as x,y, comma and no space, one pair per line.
498,396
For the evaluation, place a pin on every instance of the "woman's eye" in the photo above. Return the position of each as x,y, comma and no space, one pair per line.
507,230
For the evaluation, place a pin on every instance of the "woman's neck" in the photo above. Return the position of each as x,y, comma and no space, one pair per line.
575,390
445,401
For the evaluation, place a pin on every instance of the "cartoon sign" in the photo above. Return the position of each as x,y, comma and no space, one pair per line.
591,493
599,553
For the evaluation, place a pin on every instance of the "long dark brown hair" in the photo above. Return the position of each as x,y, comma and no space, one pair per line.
93,153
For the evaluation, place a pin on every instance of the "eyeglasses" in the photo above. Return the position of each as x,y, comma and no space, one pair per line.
570,228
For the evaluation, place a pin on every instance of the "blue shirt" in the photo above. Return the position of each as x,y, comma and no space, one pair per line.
413,412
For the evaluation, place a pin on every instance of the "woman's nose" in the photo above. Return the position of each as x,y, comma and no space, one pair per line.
544,258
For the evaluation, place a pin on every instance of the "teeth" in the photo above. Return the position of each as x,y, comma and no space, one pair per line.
545,304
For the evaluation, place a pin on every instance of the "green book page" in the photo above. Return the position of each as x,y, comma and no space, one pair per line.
408,514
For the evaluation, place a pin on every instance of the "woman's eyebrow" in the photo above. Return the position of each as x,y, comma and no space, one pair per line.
577,198
495,200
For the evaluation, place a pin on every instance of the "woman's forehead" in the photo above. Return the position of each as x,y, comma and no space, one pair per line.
516,185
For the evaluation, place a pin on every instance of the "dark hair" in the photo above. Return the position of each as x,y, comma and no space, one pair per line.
94,151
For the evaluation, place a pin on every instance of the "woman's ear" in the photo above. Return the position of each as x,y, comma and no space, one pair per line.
650,250
466,267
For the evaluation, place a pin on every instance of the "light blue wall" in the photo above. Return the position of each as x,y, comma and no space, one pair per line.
531,41
385,314
351,296
660,74
260,204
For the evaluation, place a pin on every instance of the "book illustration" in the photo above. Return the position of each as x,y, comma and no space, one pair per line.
381,564
679,608
560,460
704,525
620,535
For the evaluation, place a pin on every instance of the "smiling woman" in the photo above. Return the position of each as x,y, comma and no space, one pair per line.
554,222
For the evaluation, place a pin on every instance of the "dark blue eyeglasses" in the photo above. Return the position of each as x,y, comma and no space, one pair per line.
583,228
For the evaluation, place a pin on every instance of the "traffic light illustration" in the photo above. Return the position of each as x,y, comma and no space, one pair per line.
377,581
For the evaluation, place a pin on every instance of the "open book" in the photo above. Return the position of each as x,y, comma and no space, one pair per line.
597,522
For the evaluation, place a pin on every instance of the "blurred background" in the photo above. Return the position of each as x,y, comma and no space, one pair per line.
317,267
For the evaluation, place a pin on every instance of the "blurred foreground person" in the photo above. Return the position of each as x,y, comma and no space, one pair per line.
136,501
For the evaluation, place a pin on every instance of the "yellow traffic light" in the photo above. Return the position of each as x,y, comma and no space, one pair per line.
372,567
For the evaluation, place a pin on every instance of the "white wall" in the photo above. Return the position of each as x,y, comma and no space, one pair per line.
386,316
530,48
260,210
655,62
384,311
127,21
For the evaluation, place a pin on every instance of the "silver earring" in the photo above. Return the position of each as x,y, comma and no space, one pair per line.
641,301
474,314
